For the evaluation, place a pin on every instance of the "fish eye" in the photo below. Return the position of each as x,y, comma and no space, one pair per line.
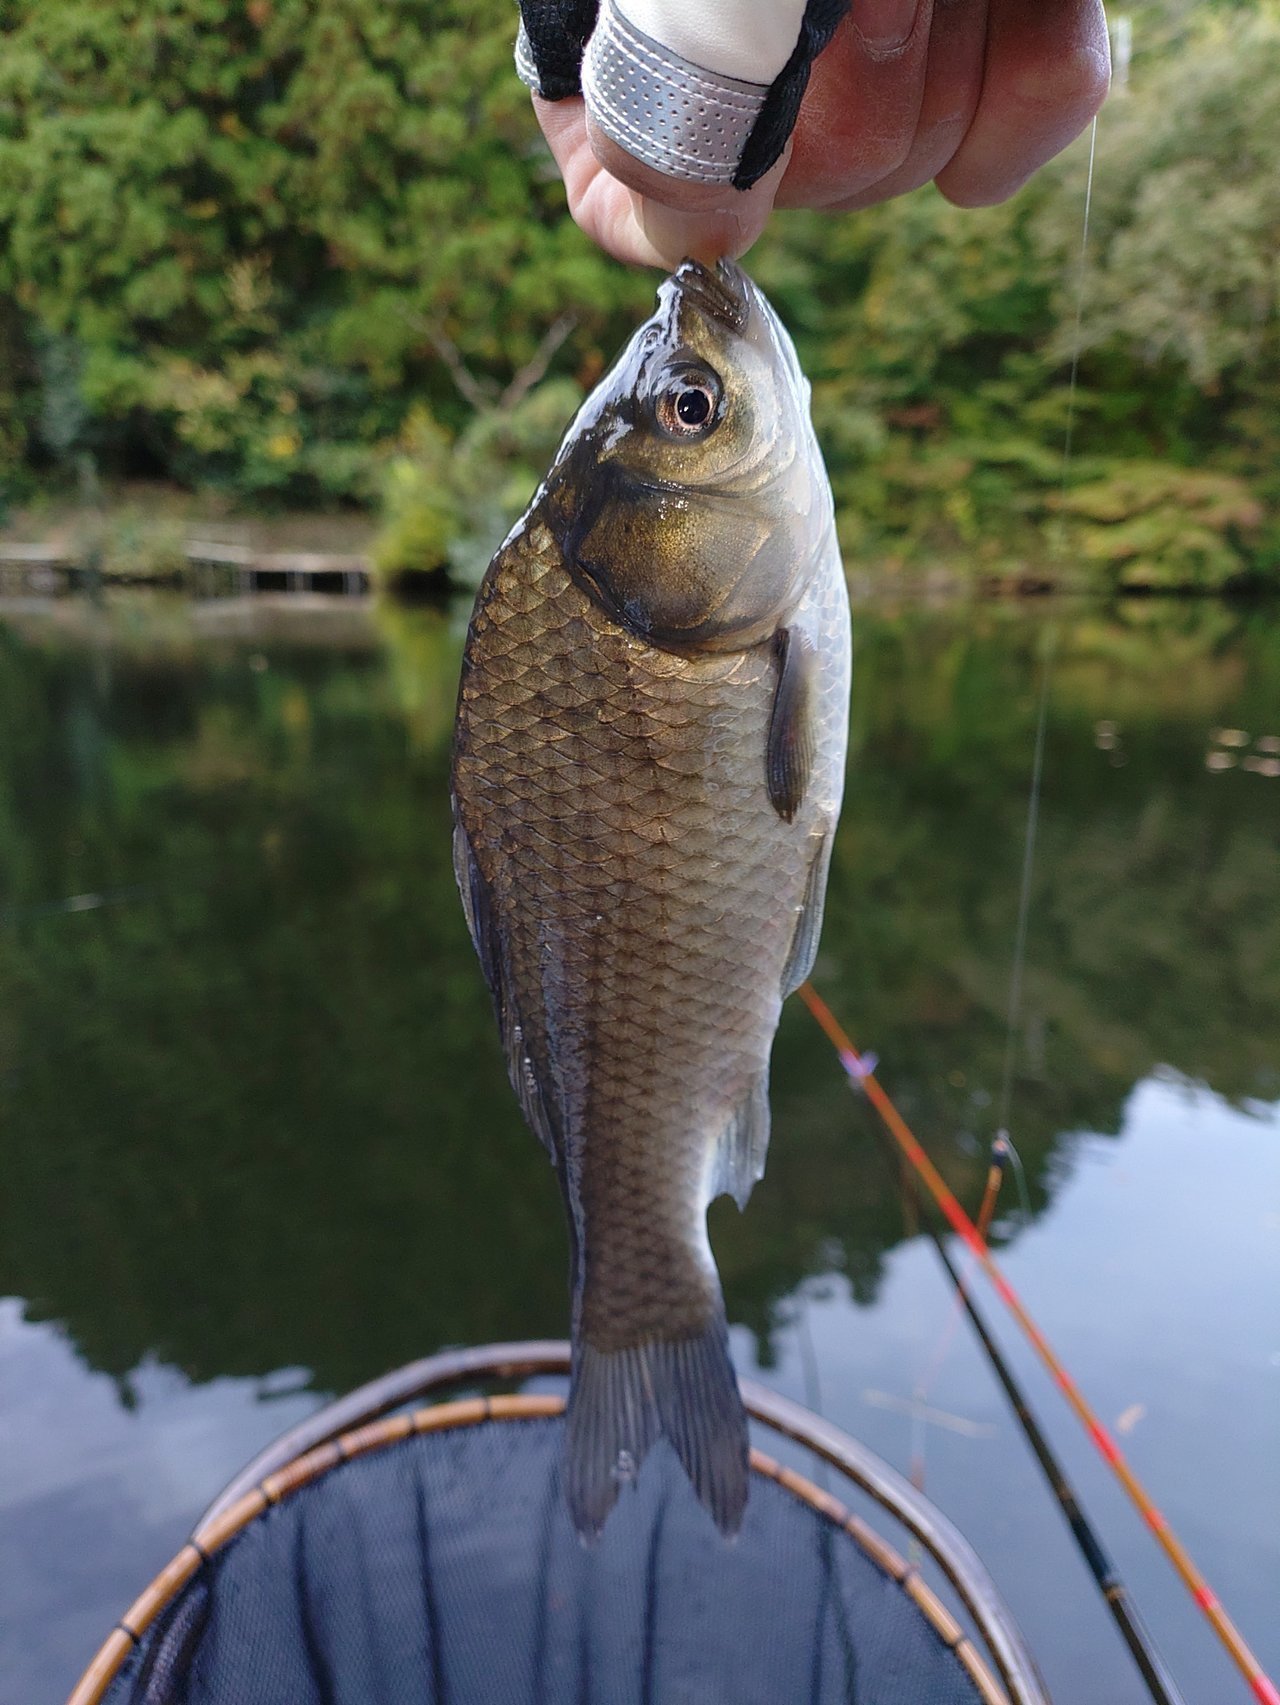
687,404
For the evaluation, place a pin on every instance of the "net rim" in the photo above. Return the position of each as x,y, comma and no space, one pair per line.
253,1492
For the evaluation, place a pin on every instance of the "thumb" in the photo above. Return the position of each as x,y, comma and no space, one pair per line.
679,217
677,110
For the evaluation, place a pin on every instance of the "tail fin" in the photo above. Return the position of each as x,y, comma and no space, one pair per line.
621,1400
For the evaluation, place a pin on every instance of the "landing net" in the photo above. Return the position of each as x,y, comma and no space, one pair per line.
428,1556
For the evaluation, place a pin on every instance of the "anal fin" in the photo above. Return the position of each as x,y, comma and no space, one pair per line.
743,1145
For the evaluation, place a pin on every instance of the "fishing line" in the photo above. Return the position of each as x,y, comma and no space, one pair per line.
1079,318
1020,1176
73,903
1014,1011
863,1079
811,1378
808,1359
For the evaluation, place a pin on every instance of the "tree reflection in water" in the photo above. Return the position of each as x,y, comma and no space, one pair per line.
255,1110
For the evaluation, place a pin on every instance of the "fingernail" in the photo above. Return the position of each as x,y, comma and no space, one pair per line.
885,24
675,234
714,233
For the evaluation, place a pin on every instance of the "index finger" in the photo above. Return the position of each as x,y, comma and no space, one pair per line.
1048,67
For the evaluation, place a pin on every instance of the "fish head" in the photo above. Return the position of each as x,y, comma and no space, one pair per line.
689,494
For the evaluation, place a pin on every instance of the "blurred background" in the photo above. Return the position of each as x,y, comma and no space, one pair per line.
291,321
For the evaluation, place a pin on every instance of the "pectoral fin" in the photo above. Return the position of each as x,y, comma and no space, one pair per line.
488,944
790,749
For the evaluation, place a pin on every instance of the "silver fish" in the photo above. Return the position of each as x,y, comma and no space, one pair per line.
648,767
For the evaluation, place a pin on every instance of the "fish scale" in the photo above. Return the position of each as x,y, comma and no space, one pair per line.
656,1035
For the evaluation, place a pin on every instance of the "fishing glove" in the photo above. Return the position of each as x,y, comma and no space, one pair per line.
708,93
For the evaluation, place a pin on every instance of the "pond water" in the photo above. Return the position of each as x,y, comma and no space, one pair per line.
258,1144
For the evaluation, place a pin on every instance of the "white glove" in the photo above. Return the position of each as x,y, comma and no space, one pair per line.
706,93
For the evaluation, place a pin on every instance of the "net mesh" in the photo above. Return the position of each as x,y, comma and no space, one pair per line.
443,1570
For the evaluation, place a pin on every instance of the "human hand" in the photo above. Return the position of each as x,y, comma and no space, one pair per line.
974,95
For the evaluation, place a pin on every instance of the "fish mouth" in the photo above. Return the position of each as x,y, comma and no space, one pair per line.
723,294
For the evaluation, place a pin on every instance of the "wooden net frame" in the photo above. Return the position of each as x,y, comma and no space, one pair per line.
327,1439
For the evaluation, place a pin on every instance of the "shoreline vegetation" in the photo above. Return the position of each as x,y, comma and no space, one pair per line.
162,539
258,260
325,555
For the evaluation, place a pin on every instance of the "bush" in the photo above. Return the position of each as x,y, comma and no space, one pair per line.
254,244
236,234
449,503
417,502
1149,525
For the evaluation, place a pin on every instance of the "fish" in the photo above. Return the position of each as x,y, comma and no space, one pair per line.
648,766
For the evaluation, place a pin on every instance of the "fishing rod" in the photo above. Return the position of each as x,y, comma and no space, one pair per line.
1159,1680
862,1077
1155,1672
1000,1152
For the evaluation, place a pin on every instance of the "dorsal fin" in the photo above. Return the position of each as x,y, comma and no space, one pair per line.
493,962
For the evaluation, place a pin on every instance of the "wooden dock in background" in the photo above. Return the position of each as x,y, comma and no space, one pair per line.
281,571
212,567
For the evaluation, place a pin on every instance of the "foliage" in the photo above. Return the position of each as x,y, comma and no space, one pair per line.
448,501
304,250
419,514
1154,525
1186,211
941,340
246,225
130,542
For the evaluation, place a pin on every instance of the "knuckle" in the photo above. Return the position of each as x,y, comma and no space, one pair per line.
1065,86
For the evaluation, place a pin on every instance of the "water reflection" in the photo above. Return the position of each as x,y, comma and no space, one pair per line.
254,1108
249,1069
1155,1271
96,1493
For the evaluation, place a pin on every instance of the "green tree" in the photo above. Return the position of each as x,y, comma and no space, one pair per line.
257,225
258,243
